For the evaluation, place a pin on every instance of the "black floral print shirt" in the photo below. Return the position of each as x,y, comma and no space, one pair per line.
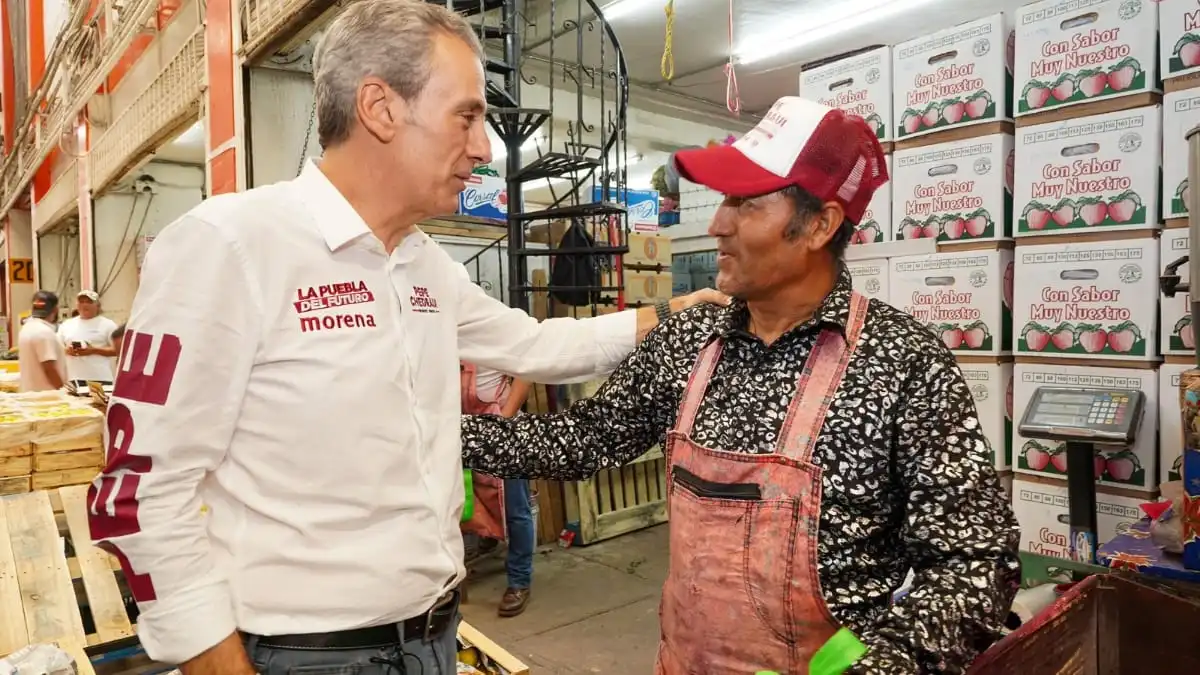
908,480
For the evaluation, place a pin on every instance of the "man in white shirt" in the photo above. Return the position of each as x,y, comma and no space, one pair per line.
88,341
291,362
39,353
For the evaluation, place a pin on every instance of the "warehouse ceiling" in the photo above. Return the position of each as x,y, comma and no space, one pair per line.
772,39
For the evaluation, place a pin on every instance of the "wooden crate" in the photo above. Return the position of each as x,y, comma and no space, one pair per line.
47,595
470,639
617,501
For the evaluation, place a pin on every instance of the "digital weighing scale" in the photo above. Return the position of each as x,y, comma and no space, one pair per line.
1083,419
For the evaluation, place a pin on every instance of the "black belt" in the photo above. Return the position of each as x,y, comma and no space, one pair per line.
428,626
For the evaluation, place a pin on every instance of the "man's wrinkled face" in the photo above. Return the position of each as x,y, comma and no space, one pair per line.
436,140
763,247
86,308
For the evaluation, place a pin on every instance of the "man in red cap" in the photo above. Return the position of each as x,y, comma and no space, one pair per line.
820,444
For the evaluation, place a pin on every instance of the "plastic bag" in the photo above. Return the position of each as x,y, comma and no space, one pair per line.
1166,527
40,659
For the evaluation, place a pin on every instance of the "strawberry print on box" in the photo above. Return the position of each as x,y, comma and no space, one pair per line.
876,225
1089,173
1170,422
1135,468
1176,324
1075,51
860,84
964,298
991,385
954,191
1096,299
1181,114
953,78
1043,510
870,277
1179,37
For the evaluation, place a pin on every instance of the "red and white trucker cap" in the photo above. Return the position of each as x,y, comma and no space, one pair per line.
830,153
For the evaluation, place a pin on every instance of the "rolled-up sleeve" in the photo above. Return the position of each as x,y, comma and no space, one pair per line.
960,534
554,351
190,344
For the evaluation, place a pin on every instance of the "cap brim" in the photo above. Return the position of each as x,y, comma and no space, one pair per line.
726,170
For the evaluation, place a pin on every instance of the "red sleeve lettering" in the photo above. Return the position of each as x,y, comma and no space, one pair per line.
112,497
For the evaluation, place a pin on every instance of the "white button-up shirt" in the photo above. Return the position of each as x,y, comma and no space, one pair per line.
283,370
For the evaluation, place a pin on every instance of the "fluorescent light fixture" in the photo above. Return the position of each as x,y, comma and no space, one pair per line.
822,23
623,8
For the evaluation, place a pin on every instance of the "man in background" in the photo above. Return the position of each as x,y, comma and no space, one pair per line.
489,392
88,340
118,338
40,354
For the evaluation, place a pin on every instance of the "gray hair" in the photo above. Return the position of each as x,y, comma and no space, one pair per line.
389,39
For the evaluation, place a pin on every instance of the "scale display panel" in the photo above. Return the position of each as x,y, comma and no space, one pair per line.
1096,415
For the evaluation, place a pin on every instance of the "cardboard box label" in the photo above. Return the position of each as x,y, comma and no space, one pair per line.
860,84
1135,467
1181,114
876,225
870,277
1088,299
1176,324
1098,172
954,191
647,249
484,197
953,78
1170,422
964,298
991,386
1179,39
1076,51
1043,512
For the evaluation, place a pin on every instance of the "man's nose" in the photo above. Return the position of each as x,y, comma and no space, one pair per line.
479,148
724,222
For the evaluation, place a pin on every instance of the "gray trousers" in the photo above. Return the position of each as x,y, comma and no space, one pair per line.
414,657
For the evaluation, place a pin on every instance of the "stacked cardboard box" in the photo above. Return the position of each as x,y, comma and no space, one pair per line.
1086,217
48,440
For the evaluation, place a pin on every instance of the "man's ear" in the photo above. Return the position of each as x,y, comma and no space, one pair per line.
825,225
374,103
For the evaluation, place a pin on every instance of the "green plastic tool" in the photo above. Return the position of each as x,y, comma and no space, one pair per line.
469,496
840,652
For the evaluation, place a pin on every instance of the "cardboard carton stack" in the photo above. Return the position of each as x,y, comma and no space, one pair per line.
1086,217
1179,60
952,182
48,440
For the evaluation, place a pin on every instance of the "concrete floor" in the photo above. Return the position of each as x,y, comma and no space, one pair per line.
594,609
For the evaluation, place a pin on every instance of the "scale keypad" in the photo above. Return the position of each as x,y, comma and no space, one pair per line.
1108,410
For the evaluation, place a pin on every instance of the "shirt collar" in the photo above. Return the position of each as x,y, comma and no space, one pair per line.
336,219
833,311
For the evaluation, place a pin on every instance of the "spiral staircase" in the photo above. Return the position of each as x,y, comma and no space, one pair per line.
569,51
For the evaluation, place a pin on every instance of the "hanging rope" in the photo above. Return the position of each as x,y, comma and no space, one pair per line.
733,99
668,58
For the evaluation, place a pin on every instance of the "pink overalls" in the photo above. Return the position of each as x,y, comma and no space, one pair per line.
488,517
742,593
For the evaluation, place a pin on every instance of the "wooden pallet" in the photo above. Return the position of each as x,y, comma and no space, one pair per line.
48,596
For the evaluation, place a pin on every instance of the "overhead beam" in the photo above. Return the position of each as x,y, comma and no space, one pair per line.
683,109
